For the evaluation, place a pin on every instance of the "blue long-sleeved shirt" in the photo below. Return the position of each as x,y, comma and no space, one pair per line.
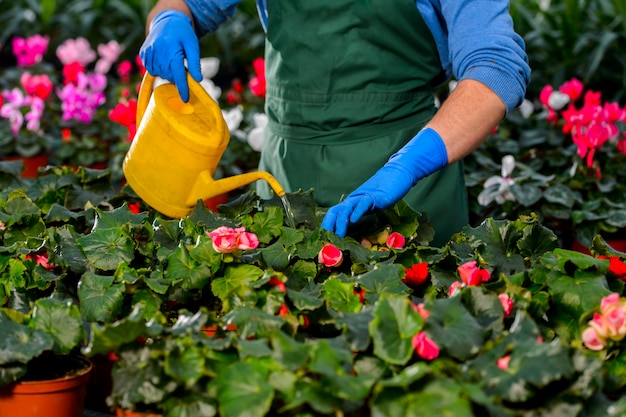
475,40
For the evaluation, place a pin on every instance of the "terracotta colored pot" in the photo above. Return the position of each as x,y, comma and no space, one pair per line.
31,164
127,413
59,397
211,330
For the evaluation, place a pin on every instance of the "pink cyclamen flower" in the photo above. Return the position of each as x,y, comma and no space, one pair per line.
472,275
76,50
395,240
330,256
507,304
257,83
109,53
30,51
425,347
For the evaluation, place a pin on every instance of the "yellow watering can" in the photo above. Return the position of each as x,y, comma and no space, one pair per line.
177,148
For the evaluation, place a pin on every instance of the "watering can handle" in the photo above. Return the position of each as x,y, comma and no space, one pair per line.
145,91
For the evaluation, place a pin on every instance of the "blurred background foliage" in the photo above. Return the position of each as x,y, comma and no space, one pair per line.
565,38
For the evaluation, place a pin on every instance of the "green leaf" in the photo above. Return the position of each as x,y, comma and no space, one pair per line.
61,319
393,327
287,352
235,278
560,194
110,337
268,224
243,391
20,343
454,329
100,298
384,278
308,298
181,267
107,248
340,295
185,364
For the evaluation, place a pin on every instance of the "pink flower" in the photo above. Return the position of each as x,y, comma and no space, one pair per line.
76,50
123,70
419,308
30,51
109,53
330,256
591,339
507,304
246,240
226,239
472,275
416,275
454,287
425,347
395,240
40,260
503,362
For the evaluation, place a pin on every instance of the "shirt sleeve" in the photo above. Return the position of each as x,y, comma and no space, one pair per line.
208,15
476,40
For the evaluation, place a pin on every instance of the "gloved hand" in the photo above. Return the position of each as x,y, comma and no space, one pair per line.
170,41
423,155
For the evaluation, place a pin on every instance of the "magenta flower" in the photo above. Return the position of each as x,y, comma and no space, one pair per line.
30,51
395,241
425,347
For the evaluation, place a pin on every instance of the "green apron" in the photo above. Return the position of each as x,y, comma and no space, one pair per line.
349,82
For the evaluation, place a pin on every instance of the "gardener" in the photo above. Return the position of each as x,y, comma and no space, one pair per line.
350,94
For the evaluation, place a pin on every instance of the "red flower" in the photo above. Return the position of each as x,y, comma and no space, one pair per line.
503,362
395,240
278,284
472,275
125,113
361,293
283,310
416,275
36,85
617,267
134,208
41,260
330,256
425,347
71,71
66,135
123,70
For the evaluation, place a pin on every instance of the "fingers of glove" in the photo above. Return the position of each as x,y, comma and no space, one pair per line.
365,203
192,53
145,53
337,218
179,75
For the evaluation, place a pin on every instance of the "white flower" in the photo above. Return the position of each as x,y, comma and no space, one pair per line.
527,108
558,100
233,118
498,187
209,67
256,134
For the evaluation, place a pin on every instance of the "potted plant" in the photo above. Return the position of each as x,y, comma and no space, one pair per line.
564,163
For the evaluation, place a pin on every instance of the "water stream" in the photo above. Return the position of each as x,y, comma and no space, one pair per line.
291,221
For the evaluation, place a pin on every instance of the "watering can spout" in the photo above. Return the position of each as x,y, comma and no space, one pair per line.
177,148
206,187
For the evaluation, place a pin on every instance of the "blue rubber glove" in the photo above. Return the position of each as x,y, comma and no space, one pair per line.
423,155
170,41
